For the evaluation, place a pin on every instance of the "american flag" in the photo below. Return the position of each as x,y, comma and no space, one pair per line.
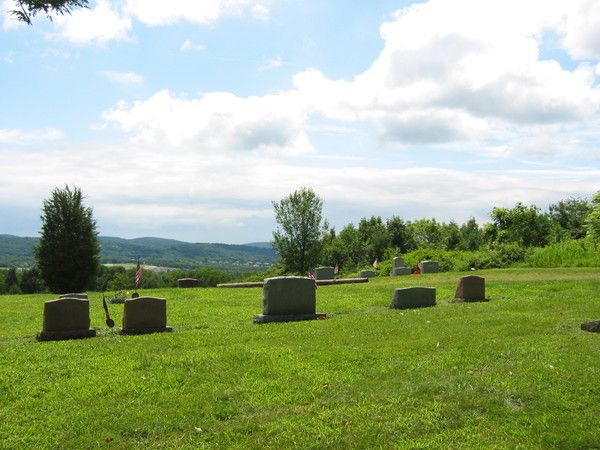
312,277
376,263
138,273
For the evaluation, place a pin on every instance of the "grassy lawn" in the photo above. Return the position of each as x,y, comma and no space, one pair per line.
513,372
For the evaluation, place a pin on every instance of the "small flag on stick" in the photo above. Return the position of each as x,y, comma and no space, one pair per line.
312,277
376,263
138,273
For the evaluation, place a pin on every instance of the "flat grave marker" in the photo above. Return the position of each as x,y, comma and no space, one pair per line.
413,297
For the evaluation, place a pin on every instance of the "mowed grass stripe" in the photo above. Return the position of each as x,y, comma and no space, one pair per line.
515,371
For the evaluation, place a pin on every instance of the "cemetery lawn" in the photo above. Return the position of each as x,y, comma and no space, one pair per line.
516,371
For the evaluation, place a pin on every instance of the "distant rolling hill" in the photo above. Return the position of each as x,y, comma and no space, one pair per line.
18,251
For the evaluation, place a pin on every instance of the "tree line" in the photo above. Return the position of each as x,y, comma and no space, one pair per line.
304,239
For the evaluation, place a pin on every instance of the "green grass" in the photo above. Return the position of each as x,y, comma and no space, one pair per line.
513,372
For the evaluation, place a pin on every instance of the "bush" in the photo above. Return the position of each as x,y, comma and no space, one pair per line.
571,253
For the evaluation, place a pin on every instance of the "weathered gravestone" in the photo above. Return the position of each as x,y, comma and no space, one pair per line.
188,283
429,266
397,271
66,318
79,296
398,267
367,274
470,289
398,262
593,326
143,315
413,297
287,299
324,273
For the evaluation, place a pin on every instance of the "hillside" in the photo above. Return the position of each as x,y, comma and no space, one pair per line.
18,251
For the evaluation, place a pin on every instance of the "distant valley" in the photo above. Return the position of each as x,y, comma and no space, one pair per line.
17,251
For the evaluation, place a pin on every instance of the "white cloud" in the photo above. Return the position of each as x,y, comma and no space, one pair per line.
216,121
188,46
9,21
9,58
98,25
581,31
150,185
159,12
128,78
17,136
272,63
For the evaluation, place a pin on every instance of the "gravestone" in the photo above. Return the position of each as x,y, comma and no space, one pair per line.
143,315
79,296
188,283
287,299
324,273
398,267
398,262
470,289
367,274
413,297
396,271
429,266
66,318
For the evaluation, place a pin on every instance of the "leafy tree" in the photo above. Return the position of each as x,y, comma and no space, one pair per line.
570,215
592,222
298,240
353,248
31,281
428,233
374,236
30,8
67,253
523,225
452,236
471,236
12,282
400,234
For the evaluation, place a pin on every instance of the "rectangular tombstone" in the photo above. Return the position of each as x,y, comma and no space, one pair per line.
397,262
397,271
143,315
429,267
288,299
188,283
413,297
470,289
324,273
367,274
66,318
80,296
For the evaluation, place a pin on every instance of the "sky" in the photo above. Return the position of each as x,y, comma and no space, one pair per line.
186,119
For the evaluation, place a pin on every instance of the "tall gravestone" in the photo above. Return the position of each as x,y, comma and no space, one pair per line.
287,299
324,273
66,318
428,266
367,274
143,315
398,267
413,297
188,283
470,289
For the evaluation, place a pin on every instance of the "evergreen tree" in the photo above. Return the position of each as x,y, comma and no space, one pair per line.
67,254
